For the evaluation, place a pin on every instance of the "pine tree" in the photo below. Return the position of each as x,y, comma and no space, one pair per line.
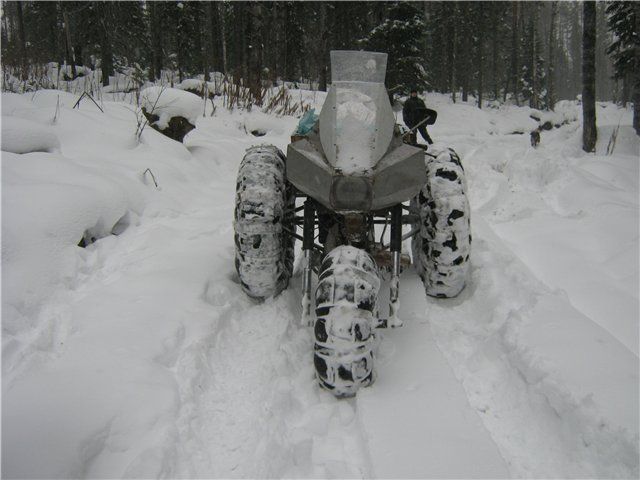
437,40
316,40
624,20
41,19
533,73
401,35
292,46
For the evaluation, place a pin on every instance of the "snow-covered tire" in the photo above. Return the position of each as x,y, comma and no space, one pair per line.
345,320
264,205
441,249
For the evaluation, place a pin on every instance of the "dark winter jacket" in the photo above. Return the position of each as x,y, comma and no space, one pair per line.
414,111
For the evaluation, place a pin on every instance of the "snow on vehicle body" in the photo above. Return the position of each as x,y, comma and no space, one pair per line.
351,160
354,171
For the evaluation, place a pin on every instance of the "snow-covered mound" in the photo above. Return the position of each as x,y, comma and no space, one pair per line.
24,136
167,103
12,102
139,355
52,202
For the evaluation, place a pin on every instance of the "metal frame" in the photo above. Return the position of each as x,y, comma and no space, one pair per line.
309,221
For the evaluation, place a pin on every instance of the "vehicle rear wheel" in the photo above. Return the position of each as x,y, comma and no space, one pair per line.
442,246
345,320
263,214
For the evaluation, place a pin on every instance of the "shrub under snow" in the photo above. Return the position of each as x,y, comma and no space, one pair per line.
168,103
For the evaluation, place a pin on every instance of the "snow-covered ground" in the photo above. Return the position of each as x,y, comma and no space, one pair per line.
139,356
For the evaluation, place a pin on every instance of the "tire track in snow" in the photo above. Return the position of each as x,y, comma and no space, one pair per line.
247,404
417,417
540,426
543,426
250,405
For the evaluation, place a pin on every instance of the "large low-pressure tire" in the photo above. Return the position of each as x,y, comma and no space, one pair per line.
264,210
345,320
441,249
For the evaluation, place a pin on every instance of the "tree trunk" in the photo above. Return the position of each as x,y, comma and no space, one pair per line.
194,49
223,36
533,99
106,49
494,58
208,45
52,30
244,57
451,53
254,29
68,50
480,51
636,74
155,12
626,89
464,54
77,55
107,57
286,68
275,44
215,47
22,44
515,45
204,27
589,131
636,106
551,93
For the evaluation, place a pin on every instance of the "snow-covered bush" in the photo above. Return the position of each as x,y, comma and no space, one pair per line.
170,110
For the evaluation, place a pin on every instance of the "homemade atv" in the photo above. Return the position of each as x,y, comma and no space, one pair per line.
354,177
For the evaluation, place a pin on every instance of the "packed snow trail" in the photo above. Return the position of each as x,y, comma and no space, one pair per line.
145,359
416,417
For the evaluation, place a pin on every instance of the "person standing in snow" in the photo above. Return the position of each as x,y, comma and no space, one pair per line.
415,112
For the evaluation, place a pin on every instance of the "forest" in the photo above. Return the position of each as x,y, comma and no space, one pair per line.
529,52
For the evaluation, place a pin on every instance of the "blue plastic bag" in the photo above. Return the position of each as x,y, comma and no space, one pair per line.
307,122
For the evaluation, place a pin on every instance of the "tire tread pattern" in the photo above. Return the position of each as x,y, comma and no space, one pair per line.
264,203
344,327
442,247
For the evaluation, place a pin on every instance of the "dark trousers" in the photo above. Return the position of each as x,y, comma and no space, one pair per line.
413,138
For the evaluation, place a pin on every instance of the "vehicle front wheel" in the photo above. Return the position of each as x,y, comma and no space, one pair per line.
345,320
